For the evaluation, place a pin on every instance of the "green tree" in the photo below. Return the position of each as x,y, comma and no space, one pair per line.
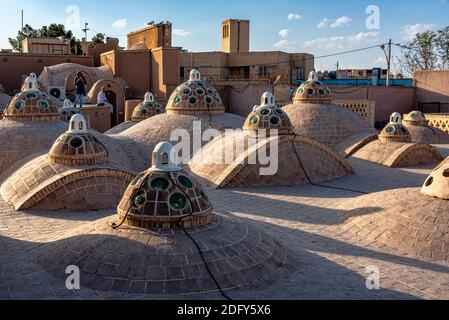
26,32
53,30
98,39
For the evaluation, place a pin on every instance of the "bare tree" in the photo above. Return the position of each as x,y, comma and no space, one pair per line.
442,46
427,51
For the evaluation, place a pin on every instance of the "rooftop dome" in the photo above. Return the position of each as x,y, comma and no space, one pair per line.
267,116
395,131
404,219
415,118
420,131
68,110
437,184
77,145
73,176
313,91
233,158
31,104
410,220
147,109
148,252
171,125
314,116
195,97
164,196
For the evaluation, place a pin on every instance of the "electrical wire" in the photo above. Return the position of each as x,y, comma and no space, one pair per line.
200,251
306,58
316,184
115,225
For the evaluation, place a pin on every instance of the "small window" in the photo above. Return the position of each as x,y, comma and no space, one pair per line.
182,72
164,159
81,125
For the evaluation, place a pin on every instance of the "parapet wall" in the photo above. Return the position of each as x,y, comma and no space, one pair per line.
440,121
14,65
387,99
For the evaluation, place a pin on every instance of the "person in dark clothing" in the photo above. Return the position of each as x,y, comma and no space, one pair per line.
80,88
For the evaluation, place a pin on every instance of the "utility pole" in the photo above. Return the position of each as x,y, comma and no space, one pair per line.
388,56
21,30
85,31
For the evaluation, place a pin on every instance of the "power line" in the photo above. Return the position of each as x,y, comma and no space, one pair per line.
305,58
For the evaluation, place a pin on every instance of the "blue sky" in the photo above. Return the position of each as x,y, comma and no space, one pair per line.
319,27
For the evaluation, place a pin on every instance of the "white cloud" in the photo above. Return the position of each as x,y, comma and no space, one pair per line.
120,24
341,41
340,22
284,44
181,32
334,23
323,23
409,31
294,16
284,33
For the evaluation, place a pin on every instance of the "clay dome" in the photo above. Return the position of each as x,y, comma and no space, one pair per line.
415,118
68,110
410,220
168,126
233,159
31,123
420,131
165,196
195,97
267,116
31,104
212,252
78,174
395,131
147,109
77,145
314,116
312,91
437,184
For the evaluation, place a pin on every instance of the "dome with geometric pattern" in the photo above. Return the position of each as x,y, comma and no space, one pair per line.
313,115
313,91
415,118
164,196
195,97
267,116
68,110
147,109
31,104
395,131
420,130
77,145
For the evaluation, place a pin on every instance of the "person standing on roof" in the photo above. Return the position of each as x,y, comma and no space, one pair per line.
81,89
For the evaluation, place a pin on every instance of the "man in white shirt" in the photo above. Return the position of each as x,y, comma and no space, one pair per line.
102,99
